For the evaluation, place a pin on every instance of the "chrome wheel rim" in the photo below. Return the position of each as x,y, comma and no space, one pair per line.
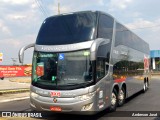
121,96
113,100
144,87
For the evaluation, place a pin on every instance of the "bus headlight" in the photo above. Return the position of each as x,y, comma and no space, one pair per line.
86,96
34,95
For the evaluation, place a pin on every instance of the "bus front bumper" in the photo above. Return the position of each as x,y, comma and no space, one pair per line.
64,105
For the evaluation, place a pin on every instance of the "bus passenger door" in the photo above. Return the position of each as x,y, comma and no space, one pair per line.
103,82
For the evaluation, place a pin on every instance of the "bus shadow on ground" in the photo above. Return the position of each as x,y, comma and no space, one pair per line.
73,117
157,118
133,96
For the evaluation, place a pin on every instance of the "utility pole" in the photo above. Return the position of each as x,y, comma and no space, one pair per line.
58,7
14,60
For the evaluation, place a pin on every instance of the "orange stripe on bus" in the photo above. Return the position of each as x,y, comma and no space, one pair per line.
120,80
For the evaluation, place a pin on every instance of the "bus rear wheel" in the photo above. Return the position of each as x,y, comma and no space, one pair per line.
147,85
144,87
114,100
121,97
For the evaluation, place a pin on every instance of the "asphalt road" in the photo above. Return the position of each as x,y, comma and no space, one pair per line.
139,103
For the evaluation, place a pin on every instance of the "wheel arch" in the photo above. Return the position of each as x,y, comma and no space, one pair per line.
116,87
124,86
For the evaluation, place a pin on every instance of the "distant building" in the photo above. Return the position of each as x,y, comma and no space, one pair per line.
155,59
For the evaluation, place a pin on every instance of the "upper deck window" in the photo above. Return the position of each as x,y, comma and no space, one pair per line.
67,29
127,38
105,28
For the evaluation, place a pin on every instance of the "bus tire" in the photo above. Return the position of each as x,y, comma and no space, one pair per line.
147,85
144,87
114,100
121,97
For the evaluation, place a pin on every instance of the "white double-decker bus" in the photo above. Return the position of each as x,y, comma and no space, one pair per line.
86,61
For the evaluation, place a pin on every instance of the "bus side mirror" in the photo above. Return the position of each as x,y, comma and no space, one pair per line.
95,45
21,51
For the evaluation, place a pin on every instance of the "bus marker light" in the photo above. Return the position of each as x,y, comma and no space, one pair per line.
101,94
86,53
101,106
97,89
107,98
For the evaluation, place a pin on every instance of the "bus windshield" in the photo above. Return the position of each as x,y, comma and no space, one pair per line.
67,29
53,70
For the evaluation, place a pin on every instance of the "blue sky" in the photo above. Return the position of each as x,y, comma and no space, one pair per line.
20,20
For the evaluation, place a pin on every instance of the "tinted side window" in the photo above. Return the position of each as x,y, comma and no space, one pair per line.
122,35
104,52
127,38
100,68
105,27
124,69
119,35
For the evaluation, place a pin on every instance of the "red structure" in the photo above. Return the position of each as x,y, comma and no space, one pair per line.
15,71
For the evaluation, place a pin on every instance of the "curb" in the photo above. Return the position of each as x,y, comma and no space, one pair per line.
14,99
14,91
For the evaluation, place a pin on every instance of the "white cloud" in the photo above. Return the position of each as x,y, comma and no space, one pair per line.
78,5
10,42
4,29
136,14
147,30
34,5
141,23
18,42
63,9
20,2
16,16
101,2
118,4
13,47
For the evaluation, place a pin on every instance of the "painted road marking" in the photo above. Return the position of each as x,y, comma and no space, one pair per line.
14,99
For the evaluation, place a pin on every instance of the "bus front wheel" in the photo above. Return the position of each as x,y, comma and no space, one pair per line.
114,100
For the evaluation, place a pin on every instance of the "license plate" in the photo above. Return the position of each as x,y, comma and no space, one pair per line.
55,108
